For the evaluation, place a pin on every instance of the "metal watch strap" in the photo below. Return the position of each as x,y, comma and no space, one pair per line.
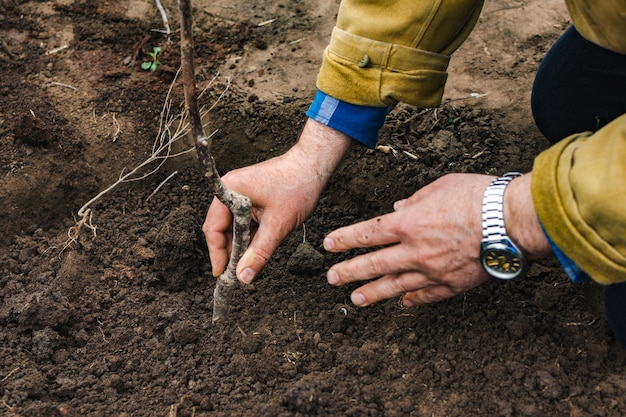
493,213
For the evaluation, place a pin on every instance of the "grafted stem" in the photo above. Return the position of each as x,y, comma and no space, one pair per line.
239,205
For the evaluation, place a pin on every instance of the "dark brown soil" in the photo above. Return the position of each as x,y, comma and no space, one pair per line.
118,322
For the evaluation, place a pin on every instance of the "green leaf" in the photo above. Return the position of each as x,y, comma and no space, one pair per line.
156,50
146,66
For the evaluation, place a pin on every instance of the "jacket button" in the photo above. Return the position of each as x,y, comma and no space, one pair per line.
364,62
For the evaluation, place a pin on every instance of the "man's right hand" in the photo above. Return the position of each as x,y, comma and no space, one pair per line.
284,192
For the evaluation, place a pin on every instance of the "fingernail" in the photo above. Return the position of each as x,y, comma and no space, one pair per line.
399,204
407,302
329,244
357,298
332,277
247,275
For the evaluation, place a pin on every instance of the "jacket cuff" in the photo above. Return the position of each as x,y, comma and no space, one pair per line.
359,122
367,72
574,272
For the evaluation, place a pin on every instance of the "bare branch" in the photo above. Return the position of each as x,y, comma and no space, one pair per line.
166,24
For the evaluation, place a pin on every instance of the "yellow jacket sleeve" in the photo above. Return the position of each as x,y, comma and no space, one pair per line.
579,192
382,52
601,22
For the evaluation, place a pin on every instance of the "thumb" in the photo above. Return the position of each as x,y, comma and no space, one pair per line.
262,247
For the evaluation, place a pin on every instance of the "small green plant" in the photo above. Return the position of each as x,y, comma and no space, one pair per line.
154,64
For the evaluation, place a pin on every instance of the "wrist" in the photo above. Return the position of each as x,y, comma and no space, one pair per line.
521,219
321,148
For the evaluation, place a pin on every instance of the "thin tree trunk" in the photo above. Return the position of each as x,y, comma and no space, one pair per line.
239,205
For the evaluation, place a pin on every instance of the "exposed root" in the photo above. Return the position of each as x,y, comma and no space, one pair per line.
172,128
73,233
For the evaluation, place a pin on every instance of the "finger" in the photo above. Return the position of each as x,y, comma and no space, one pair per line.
374,232
389,286
427,295
262,246
390,260
217,229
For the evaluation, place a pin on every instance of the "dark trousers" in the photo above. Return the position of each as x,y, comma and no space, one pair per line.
580,87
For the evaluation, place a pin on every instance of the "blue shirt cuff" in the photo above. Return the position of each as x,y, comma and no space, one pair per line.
575,273
359,122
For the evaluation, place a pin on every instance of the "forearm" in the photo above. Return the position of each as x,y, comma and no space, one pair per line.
322,149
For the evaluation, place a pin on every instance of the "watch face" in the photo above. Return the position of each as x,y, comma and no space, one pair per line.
502,262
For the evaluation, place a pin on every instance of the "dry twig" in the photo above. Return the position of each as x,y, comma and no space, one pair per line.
239,205
166,24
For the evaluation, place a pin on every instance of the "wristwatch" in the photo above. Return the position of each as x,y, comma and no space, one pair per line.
498,254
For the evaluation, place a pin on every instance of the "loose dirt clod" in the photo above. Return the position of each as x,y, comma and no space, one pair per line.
305,260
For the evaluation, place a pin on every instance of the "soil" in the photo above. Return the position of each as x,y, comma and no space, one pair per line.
112,316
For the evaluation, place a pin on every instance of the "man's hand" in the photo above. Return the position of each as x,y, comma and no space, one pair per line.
432,242
284,192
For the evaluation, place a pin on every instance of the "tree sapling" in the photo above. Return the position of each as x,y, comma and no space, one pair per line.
239,205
